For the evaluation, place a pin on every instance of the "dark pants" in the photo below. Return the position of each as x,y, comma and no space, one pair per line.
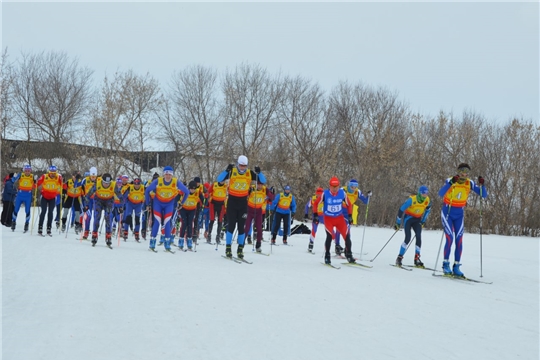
277,221
254,214
188,217
7,212
47,207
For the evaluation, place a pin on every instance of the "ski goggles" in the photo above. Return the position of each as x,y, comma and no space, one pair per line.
167,172
464,170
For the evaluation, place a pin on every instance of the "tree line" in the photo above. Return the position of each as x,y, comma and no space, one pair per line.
299,134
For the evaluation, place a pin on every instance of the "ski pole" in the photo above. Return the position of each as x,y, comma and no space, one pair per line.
442,237
481,267
68,220
119,228
395,232
33,201
364,232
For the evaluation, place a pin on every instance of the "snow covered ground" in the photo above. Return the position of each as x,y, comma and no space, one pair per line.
64,300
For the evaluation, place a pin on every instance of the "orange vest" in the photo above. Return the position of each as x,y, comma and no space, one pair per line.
239,183
105,193
417,209
458,194
192,201
284,201
219,193
72,191
319,209
136,196
164,192
257,198
51,186
26,183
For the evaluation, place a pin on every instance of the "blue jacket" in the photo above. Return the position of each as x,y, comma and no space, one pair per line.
9,192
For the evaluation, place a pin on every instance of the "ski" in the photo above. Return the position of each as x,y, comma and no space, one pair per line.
231,259
110,247
421,268
355,264
262,253
311,252
153,250
170,251
401,267
463,278
243,260
332,266
191,250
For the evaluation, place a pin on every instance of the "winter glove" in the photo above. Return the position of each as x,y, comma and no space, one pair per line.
396,227
229,168
120,210
257,169
481,180
369,193
315,218
350,219
85,209
422,223
454,179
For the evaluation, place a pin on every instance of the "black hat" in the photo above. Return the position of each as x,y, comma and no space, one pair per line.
107,178
464,165
192,185
197,179
155,176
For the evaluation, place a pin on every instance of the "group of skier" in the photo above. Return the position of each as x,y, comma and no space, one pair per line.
238,199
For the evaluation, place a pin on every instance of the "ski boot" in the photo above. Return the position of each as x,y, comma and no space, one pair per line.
240,251
189,244
125,235
161,240
49,232
63,225
108,238
310,247
399,260
327,258
350,257
258,247
249,240
137,238
13,225
218,239
457,272
181,243
26,227
85,235
417,262
57,224
152,246
285,240
167,243
228,251
40,231
143,234
446,267
94,238
339,250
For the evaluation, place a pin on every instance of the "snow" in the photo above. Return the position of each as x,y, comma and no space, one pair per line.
63,299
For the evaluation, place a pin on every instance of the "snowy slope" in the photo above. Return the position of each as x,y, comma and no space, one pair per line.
64,300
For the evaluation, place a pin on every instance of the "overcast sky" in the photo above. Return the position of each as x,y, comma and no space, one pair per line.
437,56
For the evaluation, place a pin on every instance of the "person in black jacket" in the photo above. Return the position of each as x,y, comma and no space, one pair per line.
8,200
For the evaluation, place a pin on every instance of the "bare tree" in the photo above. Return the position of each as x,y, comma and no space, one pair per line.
194,95
51,95
122,118
251,98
